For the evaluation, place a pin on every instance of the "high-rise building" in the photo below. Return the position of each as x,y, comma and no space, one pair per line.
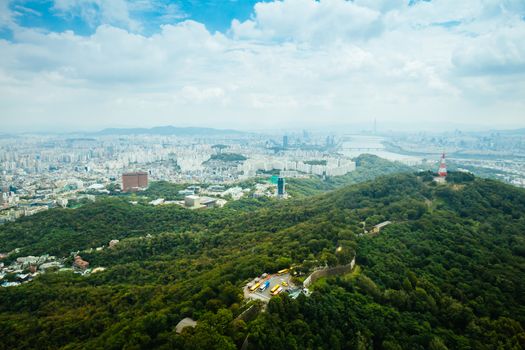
330,141
280,186
4,188
4,193
285,141
134,181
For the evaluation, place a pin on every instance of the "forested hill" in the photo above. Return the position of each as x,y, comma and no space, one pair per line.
449,272
61,231
368,167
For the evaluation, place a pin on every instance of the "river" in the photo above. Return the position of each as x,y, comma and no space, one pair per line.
354,145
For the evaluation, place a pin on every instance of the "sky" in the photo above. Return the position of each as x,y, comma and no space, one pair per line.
90,64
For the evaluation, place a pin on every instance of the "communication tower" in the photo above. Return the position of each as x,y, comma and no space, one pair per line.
442,172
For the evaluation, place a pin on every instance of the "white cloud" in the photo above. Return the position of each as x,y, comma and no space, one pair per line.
495,53
309,21
6,15
97,12
195,94
169,12
295,62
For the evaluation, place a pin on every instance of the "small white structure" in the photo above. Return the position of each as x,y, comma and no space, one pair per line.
185,322
157,201
192,201
113,243
377,228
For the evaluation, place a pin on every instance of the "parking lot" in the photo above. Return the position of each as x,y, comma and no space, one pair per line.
282,280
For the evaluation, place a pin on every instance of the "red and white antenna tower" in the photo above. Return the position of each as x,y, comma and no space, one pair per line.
442,166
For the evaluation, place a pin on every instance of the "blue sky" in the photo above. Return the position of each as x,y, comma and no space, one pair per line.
215,14
89,64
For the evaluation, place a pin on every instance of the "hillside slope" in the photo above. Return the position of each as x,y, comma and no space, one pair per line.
448,272
368,167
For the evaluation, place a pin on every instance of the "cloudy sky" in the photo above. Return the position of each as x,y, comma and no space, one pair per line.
90,64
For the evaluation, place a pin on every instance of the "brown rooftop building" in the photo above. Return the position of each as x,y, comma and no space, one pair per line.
134,181
80,263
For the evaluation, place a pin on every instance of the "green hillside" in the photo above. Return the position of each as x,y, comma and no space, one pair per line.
449,272
368,168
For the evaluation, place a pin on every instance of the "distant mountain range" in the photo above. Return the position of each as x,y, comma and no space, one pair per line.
167,130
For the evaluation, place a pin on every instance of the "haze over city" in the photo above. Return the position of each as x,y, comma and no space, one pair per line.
88,65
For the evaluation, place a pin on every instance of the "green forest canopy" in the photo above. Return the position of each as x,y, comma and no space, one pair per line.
448,273
228,157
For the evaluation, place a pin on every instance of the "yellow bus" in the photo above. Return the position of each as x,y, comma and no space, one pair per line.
255,286
278,290
283,271
274,288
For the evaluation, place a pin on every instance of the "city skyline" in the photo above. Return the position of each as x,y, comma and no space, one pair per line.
71,65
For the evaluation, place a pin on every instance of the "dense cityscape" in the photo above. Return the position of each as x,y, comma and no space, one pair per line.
39,172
